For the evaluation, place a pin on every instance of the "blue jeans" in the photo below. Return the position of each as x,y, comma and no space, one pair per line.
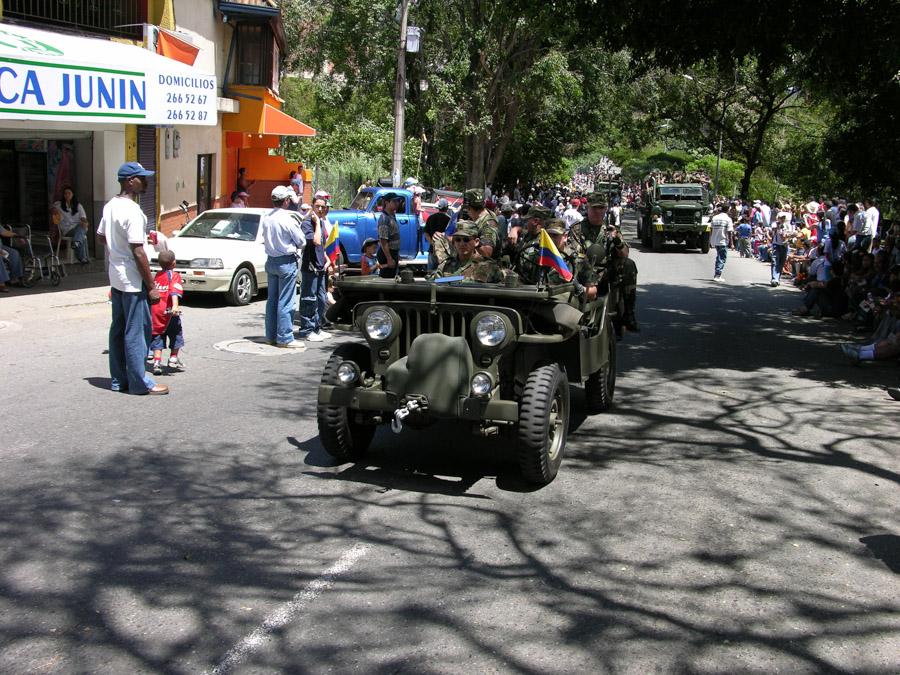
313,298
779,255
14,260
282,276
79,243
721,256
129,336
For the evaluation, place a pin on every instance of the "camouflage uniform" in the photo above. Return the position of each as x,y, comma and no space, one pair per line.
486,223
474,269
623,270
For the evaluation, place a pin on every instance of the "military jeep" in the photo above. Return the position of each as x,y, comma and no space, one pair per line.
495,358
675,212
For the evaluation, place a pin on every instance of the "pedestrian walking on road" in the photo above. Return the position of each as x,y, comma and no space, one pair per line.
283,241
123,230
779,249
722,227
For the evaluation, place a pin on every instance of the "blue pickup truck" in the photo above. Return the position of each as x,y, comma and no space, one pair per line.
360,222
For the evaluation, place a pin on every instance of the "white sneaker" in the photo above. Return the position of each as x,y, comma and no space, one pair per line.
324,335
294,344
717,278
315,337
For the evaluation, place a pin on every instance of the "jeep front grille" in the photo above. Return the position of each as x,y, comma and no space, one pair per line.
450,321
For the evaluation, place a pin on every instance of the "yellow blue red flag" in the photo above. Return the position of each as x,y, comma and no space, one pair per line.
550,257
332,247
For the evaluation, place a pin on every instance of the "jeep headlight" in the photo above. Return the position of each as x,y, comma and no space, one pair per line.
668,214
208,263
696,214
482,384
491,330
348,373
379,325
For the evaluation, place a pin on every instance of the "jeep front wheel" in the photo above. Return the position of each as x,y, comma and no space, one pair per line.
543,423
704,242
342,437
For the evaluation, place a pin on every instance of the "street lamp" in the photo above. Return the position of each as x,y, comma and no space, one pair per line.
400,99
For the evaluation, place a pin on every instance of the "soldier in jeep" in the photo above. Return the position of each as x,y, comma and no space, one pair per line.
465,262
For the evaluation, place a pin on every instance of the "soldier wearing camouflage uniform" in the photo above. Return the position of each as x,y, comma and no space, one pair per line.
596,229
485,221
528,246
466,262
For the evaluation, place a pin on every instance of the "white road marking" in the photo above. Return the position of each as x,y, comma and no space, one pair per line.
287,612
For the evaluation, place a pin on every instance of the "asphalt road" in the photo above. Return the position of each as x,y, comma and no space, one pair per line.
735,512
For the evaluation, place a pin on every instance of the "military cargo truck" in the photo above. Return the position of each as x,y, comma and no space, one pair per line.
676,212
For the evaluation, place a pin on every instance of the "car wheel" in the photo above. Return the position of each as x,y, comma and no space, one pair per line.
342,437
601,386
543,423
241,290
704,242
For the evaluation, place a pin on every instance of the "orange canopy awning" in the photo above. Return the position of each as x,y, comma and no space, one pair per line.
276,122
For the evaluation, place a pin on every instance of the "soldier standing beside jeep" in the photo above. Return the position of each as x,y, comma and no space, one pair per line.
595,230
389,236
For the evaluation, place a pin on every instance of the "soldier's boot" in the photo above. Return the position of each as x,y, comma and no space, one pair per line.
630,321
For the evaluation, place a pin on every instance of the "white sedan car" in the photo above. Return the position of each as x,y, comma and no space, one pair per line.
221,251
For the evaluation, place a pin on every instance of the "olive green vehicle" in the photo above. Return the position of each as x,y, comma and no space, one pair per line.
497,359
675,212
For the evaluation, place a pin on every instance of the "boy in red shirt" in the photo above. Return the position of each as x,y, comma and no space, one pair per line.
166,314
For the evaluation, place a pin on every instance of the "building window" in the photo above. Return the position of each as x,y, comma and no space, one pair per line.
258,61
119,18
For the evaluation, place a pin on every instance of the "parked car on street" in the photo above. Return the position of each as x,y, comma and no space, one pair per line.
221,251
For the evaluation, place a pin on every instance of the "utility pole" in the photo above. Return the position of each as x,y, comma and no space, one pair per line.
400,99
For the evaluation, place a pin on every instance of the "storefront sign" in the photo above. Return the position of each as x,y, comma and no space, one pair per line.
43,76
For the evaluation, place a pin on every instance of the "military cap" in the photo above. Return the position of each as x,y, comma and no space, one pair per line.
555,226
597,199
389,196
474,197
466,228
538,211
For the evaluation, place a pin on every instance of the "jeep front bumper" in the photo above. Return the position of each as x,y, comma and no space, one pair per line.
472,408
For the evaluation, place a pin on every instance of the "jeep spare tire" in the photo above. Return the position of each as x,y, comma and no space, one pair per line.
543,423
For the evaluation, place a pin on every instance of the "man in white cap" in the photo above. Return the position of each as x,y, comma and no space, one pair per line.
123,230
283,241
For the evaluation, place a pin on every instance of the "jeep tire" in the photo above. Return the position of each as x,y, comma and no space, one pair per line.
600,386
543,423
342,437
704,242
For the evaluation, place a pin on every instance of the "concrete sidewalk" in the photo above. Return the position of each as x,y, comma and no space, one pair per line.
81,285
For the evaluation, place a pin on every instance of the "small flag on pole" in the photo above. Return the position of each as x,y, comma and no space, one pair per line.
550,257
332,247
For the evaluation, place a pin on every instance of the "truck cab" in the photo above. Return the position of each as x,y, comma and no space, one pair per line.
359,222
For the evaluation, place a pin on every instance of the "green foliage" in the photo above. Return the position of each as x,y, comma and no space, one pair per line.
730,173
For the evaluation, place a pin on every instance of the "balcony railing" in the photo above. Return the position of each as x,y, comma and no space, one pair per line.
118,18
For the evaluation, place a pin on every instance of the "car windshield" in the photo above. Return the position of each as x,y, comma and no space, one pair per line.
683,192
211,225
361,201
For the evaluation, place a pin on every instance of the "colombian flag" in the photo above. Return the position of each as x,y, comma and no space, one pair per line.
550,257
332,248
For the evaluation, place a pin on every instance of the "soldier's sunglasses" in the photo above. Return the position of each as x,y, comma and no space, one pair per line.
464,240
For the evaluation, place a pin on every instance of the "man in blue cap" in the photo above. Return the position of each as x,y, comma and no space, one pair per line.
123,230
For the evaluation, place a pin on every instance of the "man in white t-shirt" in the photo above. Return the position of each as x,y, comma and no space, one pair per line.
722,225
870,227
571,215
122,229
